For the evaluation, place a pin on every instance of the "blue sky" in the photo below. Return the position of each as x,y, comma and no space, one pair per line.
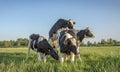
20,18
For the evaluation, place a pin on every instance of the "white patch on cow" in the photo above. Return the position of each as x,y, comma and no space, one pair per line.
50,42
61,57
38,56
68,35
74,41
34,44
40,39
28,49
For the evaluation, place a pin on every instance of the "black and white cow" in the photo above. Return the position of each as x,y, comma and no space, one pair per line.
41,46
68,45
59,26
80,35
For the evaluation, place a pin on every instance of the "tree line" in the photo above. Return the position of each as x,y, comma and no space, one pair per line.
103,42
23,42
20,42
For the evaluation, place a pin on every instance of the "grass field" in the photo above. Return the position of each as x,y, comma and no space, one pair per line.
94,59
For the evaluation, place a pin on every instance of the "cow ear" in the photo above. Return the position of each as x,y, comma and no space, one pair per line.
74,23
86,29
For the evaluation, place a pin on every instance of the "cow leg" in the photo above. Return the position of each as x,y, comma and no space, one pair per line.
79,54
28,49
72,57
44,58
38,56
61,57
66,57
79,57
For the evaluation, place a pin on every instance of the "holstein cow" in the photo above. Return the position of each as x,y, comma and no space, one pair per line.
60,25
41,46
68,46
86,33
80,34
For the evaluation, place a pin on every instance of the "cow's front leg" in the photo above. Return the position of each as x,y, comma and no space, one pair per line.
38,56
44,58
79,54
61,57
72,57
79,57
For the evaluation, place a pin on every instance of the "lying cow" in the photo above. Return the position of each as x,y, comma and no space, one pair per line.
41,46
68,46
59,26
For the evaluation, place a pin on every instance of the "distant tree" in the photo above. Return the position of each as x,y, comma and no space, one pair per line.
103,41
110,41
95,43
89,43
1,43
6,44
82,44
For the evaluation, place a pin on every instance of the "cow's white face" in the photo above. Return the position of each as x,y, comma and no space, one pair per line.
71,24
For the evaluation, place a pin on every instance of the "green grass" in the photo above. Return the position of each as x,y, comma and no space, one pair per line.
94,59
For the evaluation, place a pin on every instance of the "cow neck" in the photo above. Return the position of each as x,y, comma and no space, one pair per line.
81,36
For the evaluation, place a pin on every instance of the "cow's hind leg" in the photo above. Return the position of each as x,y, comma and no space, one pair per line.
39,56
61,57
28,49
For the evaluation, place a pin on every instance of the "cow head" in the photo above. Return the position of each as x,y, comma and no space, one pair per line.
88,33
70,24
54,54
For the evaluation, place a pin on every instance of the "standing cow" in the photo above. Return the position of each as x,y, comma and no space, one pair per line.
41,46
80,35
68,46
59,26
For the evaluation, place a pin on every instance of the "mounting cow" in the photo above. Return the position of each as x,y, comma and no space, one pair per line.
60,25
41,46
68,45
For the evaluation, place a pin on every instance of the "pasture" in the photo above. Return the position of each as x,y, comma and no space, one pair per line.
94,59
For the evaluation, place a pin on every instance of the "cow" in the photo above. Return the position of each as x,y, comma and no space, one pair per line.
59,26
86,33
68,45
41,46
80,35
